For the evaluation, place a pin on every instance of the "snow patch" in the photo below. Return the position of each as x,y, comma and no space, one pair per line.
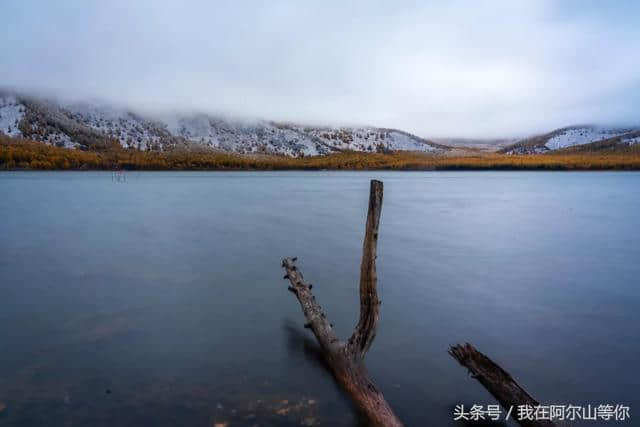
402,141
11,112
60,140
632,140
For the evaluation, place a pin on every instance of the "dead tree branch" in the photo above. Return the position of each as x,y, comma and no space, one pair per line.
365,331
497,381
347,359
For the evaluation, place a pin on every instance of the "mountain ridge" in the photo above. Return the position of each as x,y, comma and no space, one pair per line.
91,125
94,125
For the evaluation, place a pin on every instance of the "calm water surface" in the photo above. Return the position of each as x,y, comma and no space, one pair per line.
160,301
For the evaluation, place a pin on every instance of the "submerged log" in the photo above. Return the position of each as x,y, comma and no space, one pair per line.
346,359
497,381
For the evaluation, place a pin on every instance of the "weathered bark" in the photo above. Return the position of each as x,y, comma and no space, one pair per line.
347,359
367,326
497,381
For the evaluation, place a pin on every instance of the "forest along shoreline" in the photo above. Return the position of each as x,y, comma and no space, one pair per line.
22,154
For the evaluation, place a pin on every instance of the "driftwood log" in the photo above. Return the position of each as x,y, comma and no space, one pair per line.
497,381
346,359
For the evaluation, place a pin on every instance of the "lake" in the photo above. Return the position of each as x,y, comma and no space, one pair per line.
160,300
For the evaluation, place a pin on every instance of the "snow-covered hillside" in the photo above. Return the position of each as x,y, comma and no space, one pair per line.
581,135
132,130
571,137
370,139
245,137
96,124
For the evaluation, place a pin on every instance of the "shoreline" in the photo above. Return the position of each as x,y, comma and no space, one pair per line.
30,155
312,171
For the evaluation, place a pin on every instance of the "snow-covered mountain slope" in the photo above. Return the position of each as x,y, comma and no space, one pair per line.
131,130
292,139
245,137
487,144
371,139
11,113
95,125
571,137
582,135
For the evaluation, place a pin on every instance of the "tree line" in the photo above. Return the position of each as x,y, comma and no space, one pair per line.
16,153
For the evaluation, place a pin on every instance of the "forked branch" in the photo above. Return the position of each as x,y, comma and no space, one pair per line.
346,359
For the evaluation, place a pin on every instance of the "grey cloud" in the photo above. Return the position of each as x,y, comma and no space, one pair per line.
474,69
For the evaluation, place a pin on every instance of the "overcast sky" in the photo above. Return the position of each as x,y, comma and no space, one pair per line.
469,68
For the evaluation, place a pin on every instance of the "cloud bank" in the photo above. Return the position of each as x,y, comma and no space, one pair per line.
468,69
